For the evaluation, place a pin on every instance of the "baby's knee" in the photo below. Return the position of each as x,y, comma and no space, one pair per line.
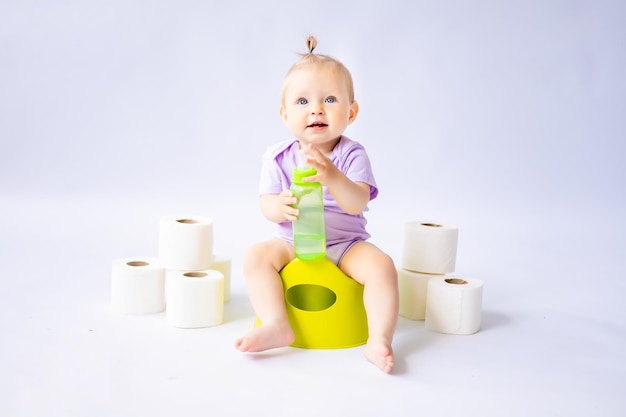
254,256
384,263
275,254
382,268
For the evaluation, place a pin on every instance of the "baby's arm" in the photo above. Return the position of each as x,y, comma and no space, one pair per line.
277,207
352,197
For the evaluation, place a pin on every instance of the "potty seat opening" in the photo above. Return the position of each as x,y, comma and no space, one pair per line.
310,297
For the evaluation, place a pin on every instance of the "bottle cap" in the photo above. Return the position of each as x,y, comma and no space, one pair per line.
299,173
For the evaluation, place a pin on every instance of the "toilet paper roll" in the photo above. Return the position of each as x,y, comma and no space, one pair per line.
429,248
453,305
195,298
412,287
137,286
186,242
222,263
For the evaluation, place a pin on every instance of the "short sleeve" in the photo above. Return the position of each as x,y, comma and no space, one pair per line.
269,181
276,166
352,159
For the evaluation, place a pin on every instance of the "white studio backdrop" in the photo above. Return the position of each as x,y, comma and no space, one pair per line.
517,101
504,118
491,115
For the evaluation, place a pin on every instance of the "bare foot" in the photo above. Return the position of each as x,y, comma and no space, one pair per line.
264,337
378,351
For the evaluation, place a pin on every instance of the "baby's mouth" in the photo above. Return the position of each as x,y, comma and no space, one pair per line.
317,124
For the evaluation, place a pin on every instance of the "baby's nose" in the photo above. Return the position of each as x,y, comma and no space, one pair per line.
317,109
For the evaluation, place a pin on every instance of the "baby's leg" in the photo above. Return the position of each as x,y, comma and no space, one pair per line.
262,262
367,264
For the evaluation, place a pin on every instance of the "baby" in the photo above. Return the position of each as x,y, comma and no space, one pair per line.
317,106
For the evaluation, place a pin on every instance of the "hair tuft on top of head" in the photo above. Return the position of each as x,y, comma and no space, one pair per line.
310,58
311,44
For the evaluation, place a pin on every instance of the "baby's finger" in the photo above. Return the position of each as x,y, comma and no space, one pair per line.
287,198
291,213
288,201
312,178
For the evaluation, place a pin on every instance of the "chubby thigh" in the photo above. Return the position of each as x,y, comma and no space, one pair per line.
337,251
275,253
364,262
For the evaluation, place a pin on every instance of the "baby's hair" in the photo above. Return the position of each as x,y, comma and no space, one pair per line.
311,43
311,58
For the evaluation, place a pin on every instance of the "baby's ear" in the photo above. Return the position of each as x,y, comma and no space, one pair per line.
283,113
354,111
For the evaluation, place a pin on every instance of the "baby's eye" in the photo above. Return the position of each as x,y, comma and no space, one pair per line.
330,99
302,101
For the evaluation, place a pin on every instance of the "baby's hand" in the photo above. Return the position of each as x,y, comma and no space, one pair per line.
327,172
285,201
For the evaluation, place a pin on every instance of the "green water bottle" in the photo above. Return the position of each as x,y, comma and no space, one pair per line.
309,235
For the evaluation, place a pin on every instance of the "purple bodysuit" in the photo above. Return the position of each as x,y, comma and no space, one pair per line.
342,229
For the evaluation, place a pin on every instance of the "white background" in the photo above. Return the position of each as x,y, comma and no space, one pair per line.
505,119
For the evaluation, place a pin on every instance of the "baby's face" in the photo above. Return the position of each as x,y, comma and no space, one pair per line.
316,107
